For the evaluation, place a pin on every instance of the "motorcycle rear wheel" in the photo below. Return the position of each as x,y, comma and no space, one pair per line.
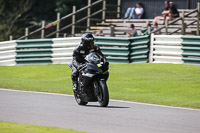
103,97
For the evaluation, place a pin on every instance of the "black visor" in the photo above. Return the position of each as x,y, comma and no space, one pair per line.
89,43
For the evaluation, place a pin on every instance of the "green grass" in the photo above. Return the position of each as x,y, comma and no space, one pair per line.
8,127
166,84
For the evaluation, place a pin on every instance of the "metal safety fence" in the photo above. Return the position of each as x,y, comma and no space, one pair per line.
176,49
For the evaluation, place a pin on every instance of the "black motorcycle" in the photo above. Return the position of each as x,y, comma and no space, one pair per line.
92,79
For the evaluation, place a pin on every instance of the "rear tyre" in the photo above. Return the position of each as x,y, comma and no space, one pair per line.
103,97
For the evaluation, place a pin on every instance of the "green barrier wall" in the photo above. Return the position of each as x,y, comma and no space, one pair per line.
34,51
191,49
165,49
124,50
115,49
139,49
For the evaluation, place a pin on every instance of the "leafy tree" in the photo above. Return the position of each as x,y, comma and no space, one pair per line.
16,15
10,12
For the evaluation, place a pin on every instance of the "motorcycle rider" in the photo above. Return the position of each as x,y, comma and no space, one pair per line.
80,52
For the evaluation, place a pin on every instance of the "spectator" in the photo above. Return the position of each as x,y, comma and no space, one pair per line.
99,33
155,27
146,30
133,33
167,11
135,13
170,11
174,10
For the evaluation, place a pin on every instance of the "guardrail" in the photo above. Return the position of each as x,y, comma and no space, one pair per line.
37,51
59,50
8,53
176,49
115,49
191,49
139,49
124,50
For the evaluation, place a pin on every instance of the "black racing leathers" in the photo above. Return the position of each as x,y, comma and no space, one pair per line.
79,54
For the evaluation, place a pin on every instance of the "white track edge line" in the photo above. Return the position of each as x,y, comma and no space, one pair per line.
156,105
121,101
46,93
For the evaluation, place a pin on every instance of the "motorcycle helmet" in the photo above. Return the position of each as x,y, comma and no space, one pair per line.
88,40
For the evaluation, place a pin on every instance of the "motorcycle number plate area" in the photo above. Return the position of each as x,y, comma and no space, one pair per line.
99,65
93,67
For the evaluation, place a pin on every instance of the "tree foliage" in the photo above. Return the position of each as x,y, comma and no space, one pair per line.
10,12
16,15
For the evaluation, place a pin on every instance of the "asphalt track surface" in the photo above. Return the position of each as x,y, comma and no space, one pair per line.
60,110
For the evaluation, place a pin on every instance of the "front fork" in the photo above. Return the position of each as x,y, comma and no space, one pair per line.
96,88
80,86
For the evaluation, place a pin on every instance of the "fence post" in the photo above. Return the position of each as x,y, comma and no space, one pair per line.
118,8
112,30
89,13
104,11
149,28
26,33
10,37
166,26
73,20
183,26
58,25
151,48
198,17
42,31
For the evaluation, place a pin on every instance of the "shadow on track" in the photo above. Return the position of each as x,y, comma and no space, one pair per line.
116,107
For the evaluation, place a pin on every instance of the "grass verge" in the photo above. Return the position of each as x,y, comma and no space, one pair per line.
9,127
166,84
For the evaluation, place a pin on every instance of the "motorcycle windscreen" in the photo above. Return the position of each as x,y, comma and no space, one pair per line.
93,57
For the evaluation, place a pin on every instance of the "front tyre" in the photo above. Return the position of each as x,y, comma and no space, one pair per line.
103,97
78,99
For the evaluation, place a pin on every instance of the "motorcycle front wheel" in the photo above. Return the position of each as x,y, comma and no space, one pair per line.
103,97
78,99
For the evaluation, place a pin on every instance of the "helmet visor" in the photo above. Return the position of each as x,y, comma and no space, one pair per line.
89,43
